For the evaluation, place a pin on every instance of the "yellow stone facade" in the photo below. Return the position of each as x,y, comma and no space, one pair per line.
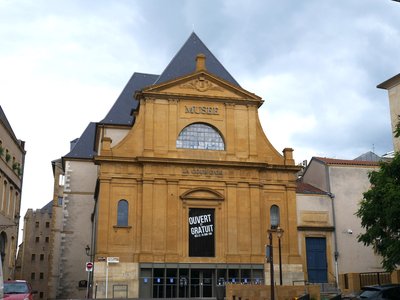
162,182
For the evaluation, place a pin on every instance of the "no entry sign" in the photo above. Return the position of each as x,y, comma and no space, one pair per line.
89,267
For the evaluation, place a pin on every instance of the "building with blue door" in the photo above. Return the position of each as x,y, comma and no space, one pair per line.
328,194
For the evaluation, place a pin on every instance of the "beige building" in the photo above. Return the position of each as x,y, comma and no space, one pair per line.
34,256
392,85
75,178
327,198
12,156
175,190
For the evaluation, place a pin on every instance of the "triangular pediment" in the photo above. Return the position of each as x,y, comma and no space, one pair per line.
202,84
202,194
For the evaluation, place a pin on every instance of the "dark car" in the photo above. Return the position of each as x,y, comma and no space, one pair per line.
383,292
18,290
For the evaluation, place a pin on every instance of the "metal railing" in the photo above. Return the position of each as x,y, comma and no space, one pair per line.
372,278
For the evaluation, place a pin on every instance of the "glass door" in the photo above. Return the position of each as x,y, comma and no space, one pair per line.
201,283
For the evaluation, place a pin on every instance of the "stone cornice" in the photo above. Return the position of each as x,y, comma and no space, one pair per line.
213,163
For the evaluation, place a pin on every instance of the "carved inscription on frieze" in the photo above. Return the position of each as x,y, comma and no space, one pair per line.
205,110
202,172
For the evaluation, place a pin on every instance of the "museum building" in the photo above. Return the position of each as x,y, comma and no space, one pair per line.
189,189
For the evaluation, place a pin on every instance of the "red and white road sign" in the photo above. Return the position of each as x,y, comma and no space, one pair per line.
89,267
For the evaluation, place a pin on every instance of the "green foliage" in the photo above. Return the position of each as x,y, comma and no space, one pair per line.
380,213
397,129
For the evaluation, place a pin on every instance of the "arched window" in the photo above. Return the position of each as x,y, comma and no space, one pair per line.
274,216
200,136
3,243
122,219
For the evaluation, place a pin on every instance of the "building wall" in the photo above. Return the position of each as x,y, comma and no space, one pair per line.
12,156
315,219
394,104
162,182
315,174
348,185
72,230
57,222
35,250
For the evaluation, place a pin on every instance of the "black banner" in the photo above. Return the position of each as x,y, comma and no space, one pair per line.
201,232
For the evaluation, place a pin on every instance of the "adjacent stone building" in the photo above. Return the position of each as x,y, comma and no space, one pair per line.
34,252
392,85
328,196
12,157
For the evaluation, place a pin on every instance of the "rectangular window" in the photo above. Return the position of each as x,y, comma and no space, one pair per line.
37,224
37,239
41,275
61,179
33,257
32,275
41,295
47,224
41,256
60,200
47,239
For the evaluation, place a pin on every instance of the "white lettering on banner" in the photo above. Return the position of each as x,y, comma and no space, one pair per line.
201,230
200,219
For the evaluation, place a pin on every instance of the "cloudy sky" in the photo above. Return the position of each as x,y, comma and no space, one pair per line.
316,63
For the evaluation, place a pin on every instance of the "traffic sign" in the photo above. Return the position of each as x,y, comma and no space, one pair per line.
112,260
89,267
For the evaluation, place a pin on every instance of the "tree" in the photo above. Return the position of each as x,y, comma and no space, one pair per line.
379,211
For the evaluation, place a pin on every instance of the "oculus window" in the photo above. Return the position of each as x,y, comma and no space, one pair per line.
122,219
200,136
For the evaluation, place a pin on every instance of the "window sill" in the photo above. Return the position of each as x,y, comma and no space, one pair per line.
122,227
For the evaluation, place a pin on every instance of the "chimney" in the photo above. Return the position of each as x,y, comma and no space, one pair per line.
200,62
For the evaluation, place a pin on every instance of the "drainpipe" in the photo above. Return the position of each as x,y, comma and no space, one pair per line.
332,196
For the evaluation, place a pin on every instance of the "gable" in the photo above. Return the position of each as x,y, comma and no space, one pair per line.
201,84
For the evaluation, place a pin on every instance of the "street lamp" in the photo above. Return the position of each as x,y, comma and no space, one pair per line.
279,233
87,249
271,263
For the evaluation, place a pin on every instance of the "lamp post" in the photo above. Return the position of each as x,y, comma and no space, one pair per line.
279,233
271,264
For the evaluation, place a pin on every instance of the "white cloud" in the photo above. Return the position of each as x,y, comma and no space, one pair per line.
316,63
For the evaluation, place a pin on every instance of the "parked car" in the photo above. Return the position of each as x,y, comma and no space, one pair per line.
380,292
18,290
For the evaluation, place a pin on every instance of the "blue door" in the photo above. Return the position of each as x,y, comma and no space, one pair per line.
316,260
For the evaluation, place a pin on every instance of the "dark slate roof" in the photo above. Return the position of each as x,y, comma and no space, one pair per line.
391,82
121,112
48,207
3,119
84,147
306,188
184,62
369,156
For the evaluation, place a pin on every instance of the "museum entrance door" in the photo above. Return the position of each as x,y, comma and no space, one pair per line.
201,283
